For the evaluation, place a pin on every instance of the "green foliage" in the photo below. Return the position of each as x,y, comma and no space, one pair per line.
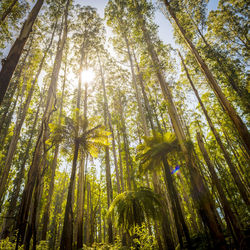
142,238
150,153
134,207
43,245
222,39
7,245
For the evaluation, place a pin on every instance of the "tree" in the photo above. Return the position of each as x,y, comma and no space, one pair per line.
243,191
135,207
17,49
20,121
8,10
240,126
230,218
152,154
34,174
90,140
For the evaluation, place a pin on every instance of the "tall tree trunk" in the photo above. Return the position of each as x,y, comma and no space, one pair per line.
35,168
88,215
80,202
19,123
32,223
174,198
120,158
8,10
14,86
109,193
67,233
100,223
200,192
8,105
212,54
237,121
243,191
125,141
229,215
166,230
17,49
109,121
137,93
9,220
55,230
145,98
45,219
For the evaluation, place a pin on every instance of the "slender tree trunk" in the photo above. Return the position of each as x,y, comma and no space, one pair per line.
243,191
109,121
17,49
88,215
8,10
237,121
125,142
14,86
9,221
200,192
19,124
166,230
45,219
120,158
174,199
100,223
55,230
137,93
229,215
67,233
107,160
219,59
80,202
35,168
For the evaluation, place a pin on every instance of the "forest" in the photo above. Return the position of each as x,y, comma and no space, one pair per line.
113,138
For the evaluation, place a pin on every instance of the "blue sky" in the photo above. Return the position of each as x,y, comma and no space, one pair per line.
165,28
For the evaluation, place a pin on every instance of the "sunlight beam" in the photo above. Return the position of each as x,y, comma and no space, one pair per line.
87,75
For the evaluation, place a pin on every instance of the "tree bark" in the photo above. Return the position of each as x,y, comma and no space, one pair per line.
243,191
229,215
137,93
17,49
8,10
35,167
9,221
109,121
80,202
237,121
19,124
67,233
175,203
200,192
120,159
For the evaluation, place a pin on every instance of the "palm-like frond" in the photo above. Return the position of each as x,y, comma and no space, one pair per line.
133,207
91,140
151,151
94,139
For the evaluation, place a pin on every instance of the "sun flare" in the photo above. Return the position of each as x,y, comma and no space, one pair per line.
88,75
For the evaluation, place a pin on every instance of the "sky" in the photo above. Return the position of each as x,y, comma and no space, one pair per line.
165,28
165,31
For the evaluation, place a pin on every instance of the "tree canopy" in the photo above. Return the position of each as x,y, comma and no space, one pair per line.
110,138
